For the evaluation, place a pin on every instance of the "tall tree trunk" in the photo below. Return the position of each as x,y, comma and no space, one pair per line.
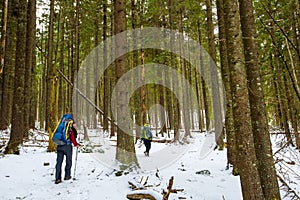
30,42
183,77
51,104
2,47
8,70
296,67
113,75
125,141
229,126
279,83
106,79
175,123
3,35
34,101
162,91
63,87
135,58
143,88
259,120
203,84
17,129
247,161
76,51
43,86
214,77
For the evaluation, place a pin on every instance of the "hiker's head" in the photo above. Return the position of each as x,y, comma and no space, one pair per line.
146,125
67,116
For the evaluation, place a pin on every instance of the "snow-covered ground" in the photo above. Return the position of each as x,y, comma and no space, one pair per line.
25,176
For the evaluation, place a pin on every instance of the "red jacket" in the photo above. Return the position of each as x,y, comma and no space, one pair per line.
73,136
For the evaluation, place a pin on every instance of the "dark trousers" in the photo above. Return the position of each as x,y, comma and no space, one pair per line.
63,150
147,144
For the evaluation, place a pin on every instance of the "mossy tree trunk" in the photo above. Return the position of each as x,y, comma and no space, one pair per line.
17,129
229,126
247,161
51,104
125,141
259,120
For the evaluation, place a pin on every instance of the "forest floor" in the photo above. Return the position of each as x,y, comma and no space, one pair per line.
198,170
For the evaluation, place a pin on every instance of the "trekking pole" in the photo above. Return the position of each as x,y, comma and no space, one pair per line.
75,163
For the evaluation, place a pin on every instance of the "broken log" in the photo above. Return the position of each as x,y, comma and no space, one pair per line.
140,196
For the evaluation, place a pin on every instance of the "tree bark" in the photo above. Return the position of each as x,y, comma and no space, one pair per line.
125,141
229,126
247,161
51,104
203,84
259,120
106,79
214,77
184,76
8,70
17,129
3,35
30,42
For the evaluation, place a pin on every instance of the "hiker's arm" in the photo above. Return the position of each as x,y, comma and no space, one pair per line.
73,138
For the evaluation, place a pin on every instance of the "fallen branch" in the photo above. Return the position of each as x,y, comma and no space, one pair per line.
136,186
167,194
141,191
145,194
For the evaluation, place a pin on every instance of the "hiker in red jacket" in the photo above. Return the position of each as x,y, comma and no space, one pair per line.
66,150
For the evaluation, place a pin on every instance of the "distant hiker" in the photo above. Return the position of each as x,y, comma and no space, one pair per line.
146,137
64,136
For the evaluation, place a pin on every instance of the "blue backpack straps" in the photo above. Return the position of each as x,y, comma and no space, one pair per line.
60,136
148,133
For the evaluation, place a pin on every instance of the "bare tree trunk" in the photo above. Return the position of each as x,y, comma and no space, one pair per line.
125,141
34,101
259,120
199,80
203,84
106,80
76,52
51,104
175,123
143,88
135,58
295,68
214,77
17,129
3,35
8,70
30,42
162,91
63,87
246,157
229,126
184,76
279,83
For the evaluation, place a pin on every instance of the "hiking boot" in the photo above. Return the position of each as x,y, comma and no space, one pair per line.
57,181
67,178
